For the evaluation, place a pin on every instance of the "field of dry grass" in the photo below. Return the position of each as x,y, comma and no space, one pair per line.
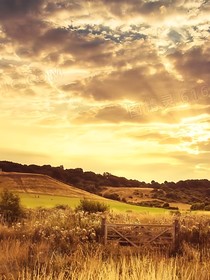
137,195
36,190
63,244
28,184
39,184
131,194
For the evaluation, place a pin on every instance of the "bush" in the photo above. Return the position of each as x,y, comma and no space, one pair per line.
207,207
10,208
197,206
150,203
113,196
172,195
91,206
173,208
166,205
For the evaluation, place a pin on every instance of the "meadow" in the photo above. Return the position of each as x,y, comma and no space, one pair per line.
48,201
61,243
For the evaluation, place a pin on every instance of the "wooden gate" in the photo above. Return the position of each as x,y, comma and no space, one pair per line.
142,235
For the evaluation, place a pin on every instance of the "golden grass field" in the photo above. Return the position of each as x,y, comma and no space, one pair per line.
136,195
62,244
39,184
51,243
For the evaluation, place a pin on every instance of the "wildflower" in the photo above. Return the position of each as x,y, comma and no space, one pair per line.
84,231
92,235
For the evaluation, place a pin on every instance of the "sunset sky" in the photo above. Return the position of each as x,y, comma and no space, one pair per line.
107,85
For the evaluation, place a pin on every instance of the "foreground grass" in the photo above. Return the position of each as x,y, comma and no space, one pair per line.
48,201
124,268
63,244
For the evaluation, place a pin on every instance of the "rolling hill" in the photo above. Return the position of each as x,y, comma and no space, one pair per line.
139,196
107,185
38,190
39,184
186,192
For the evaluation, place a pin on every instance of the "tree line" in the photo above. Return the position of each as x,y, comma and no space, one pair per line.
186,191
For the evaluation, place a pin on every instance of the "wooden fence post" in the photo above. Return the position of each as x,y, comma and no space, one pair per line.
104,230
176,240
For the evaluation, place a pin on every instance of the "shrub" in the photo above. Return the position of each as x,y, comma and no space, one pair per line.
92,206
166,205
197,206
207,207
172,195
113,196
10,207
150,203
173,208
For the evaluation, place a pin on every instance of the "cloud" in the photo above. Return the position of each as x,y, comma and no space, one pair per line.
10,9
25,30
137,84
161,138
175,36
155,11
54,6
194,63
105,114
103,74
116,35
113,113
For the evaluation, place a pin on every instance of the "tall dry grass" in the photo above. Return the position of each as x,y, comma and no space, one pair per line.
61,244
121,268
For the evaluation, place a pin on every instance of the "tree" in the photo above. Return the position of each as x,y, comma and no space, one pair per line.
10,208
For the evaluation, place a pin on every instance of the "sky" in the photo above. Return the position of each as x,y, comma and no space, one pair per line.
107,85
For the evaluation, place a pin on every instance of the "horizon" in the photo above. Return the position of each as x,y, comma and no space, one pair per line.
109,86
101,173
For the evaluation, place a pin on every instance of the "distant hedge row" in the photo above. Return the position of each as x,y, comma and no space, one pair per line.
200,206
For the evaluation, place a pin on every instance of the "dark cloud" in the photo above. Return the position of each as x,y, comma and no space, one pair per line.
58,5
19,8
36,37
175,36
135,84
205,6
6,63
116,35
22,23
84,49
193,64
151,7
113,114
25,31
107,114
73,87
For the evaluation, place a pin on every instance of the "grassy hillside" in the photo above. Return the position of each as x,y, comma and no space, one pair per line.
185,192
37,190
139,196
48,201
39,184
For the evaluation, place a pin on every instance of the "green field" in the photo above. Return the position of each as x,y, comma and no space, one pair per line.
47,201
